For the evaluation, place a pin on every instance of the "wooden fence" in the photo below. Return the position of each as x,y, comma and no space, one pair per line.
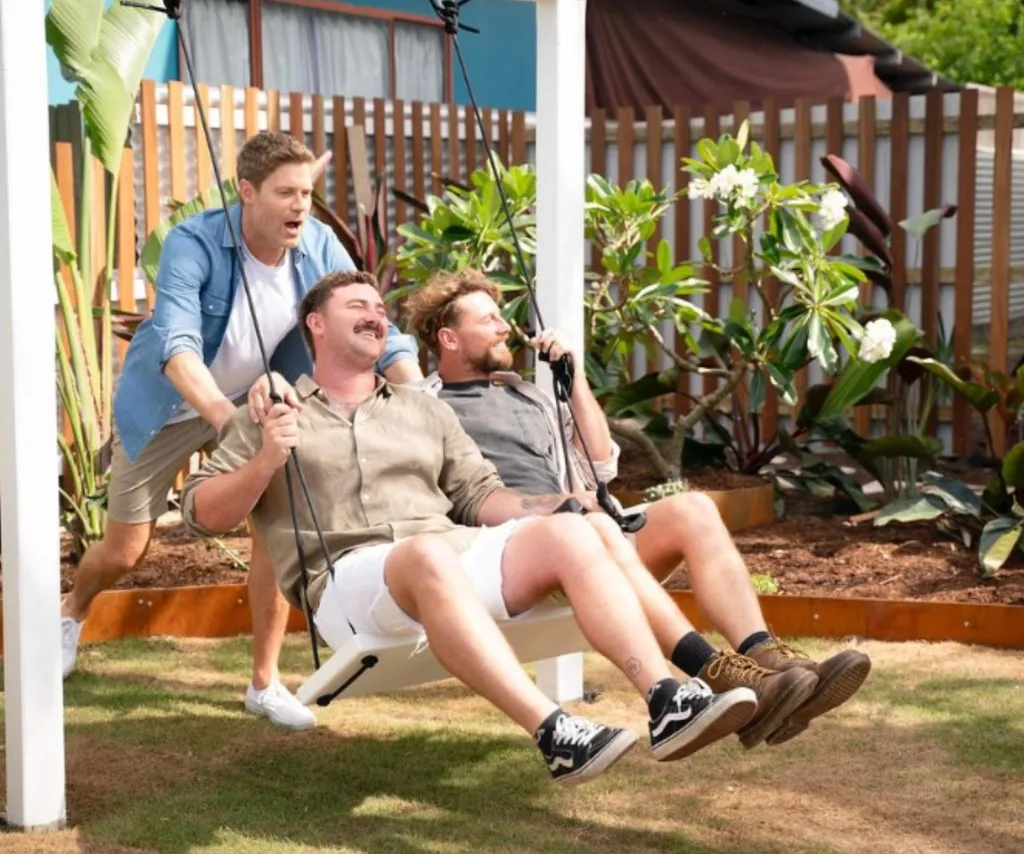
966,278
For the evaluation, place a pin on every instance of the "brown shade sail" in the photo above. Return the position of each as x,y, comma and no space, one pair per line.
646,52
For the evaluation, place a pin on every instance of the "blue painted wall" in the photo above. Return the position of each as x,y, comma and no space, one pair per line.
502,59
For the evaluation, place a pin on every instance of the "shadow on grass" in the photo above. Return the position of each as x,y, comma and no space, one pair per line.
418,791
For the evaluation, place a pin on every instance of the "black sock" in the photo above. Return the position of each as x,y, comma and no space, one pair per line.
692,653
752,641
546,730
659,695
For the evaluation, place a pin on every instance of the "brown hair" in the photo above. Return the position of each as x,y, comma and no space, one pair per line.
433,306
265,152
317,296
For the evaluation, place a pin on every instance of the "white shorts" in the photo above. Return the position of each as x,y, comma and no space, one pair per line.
358,591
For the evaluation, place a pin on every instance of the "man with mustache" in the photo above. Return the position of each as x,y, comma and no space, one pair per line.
192,362
515,425
426,542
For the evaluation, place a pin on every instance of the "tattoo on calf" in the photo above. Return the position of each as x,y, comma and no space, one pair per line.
633,666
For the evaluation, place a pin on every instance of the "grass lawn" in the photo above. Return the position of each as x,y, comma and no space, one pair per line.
161,757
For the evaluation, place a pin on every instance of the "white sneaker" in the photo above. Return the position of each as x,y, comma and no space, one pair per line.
279,705
70,632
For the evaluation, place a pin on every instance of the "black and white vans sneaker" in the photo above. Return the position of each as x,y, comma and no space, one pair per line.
577,750
694,717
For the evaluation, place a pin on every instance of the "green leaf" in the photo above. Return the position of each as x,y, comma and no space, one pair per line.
1013,466
63,246
708,152
149,259
664,257
72,30
890,447
110,82
831,237
629,396
919,509
743,135
858,378
960,497
996,543
783,383
981,398
704,245
919,225
757,394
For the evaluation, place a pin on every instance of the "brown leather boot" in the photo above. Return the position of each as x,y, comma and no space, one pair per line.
778,694
839,678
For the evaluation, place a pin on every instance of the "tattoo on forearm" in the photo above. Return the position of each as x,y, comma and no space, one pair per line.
633,666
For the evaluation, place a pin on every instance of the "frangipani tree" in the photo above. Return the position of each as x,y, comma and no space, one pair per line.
806,305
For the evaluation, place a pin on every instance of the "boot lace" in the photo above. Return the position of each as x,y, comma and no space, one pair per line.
786,651
737,668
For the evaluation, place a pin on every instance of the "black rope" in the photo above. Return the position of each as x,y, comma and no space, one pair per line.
172,8
563,368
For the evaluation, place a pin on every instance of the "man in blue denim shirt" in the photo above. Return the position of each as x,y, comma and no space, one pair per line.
196,358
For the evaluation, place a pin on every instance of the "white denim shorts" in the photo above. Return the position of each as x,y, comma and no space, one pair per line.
358,590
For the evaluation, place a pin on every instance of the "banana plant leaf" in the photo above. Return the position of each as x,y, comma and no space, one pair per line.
107,52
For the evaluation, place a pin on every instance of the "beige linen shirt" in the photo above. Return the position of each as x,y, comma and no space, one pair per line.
403,466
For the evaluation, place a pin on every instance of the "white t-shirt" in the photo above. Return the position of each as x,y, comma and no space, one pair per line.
238,363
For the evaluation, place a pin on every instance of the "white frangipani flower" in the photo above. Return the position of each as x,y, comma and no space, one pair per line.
699,188
727,185
832,208
746,185
878,340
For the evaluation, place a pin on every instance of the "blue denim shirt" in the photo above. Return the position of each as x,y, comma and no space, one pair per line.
195,290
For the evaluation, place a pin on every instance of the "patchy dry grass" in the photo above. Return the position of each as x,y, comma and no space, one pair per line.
162,759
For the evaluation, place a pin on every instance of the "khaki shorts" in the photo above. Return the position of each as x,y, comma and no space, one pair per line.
137,491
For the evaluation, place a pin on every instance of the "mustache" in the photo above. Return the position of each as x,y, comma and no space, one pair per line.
374,326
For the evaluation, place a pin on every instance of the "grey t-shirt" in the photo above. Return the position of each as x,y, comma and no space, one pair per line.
511,431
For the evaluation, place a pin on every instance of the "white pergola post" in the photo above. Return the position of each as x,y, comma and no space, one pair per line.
561,176
34,692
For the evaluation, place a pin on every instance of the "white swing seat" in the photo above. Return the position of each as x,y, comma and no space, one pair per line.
547,632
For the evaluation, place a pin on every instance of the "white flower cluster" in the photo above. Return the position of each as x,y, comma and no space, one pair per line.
878,340
832,208
730,184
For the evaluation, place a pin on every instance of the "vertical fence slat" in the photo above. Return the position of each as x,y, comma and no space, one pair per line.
380,149
772,144
598,165
487,117
64,170
339,141
419,184
518,137
227,131
125,241
454,168
653,122
963,310
176,139
834,136
150,169
398,145
504,146
802,171
273,110
204,165
712,128
681,149
252,112
899,146
932,193
866,112
1001,223
469,118
436,162
296,125
319,139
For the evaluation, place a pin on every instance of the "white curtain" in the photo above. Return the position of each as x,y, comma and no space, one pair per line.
218,36
419,62
327,53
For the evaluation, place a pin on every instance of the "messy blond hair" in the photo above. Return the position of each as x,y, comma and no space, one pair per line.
434,306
